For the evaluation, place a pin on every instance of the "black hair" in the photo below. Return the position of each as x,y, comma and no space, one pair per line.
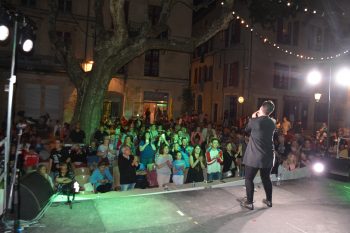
268,107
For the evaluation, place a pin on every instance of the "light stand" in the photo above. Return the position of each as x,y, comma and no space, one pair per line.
329,111
12,81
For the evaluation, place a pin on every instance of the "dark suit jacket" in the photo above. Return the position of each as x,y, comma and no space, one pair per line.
259,152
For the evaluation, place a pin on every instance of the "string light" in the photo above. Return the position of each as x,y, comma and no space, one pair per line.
266,40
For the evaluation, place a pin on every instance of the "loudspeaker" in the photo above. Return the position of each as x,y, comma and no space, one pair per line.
34,193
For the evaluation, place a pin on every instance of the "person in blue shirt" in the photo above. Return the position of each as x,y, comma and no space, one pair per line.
101,178
185,156
178,169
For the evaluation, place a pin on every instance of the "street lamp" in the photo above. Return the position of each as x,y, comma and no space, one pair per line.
241,99
318,97
342,78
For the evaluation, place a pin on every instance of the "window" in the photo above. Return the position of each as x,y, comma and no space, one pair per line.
200,75
284,32
224,83
195,76
320,114
234,75
66,37
210,73
151,67
154,14
295,33
199,104
295,78
281,76
315,38
231,75
287,32
65,6
28,3
205,73
126,11
233,33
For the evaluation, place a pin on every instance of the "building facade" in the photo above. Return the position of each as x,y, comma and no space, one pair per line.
262,64
154,80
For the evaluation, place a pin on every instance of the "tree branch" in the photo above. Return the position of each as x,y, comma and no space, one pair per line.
140,46
218,25
64,54
192,7
99,24
118,18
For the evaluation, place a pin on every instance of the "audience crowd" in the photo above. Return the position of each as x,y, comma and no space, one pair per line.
124,154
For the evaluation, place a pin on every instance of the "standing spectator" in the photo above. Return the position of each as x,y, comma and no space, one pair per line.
58,155
106,151
163,164
214,158
197,165
57,129
77,135
100,134
178,169
127,166
101,178
196,137
229,159
185,156
286,126
147,149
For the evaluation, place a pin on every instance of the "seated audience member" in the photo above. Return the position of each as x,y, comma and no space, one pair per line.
293,159
343,151
128,164
101,178
78,156
92,158
65,181
178,169
77,135
30,159
163,164
42,170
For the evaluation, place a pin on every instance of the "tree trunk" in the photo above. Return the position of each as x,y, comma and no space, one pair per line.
92,102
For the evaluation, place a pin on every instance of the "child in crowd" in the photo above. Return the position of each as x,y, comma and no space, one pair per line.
178,169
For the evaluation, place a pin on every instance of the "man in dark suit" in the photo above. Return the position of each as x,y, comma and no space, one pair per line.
259,154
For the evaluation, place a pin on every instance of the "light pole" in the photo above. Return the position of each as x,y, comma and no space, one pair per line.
23,35
342,78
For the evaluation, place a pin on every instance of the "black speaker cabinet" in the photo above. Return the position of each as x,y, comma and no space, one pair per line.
35,191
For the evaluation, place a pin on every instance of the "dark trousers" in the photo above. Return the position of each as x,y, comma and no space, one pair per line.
250,173
103,188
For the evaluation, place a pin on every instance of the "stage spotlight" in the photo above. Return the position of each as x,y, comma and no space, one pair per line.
4,32
4,24
27,37
318,167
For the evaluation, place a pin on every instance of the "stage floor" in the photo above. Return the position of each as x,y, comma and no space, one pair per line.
313,205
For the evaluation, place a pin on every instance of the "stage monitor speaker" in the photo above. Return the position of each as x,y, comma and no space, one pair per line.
35,192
